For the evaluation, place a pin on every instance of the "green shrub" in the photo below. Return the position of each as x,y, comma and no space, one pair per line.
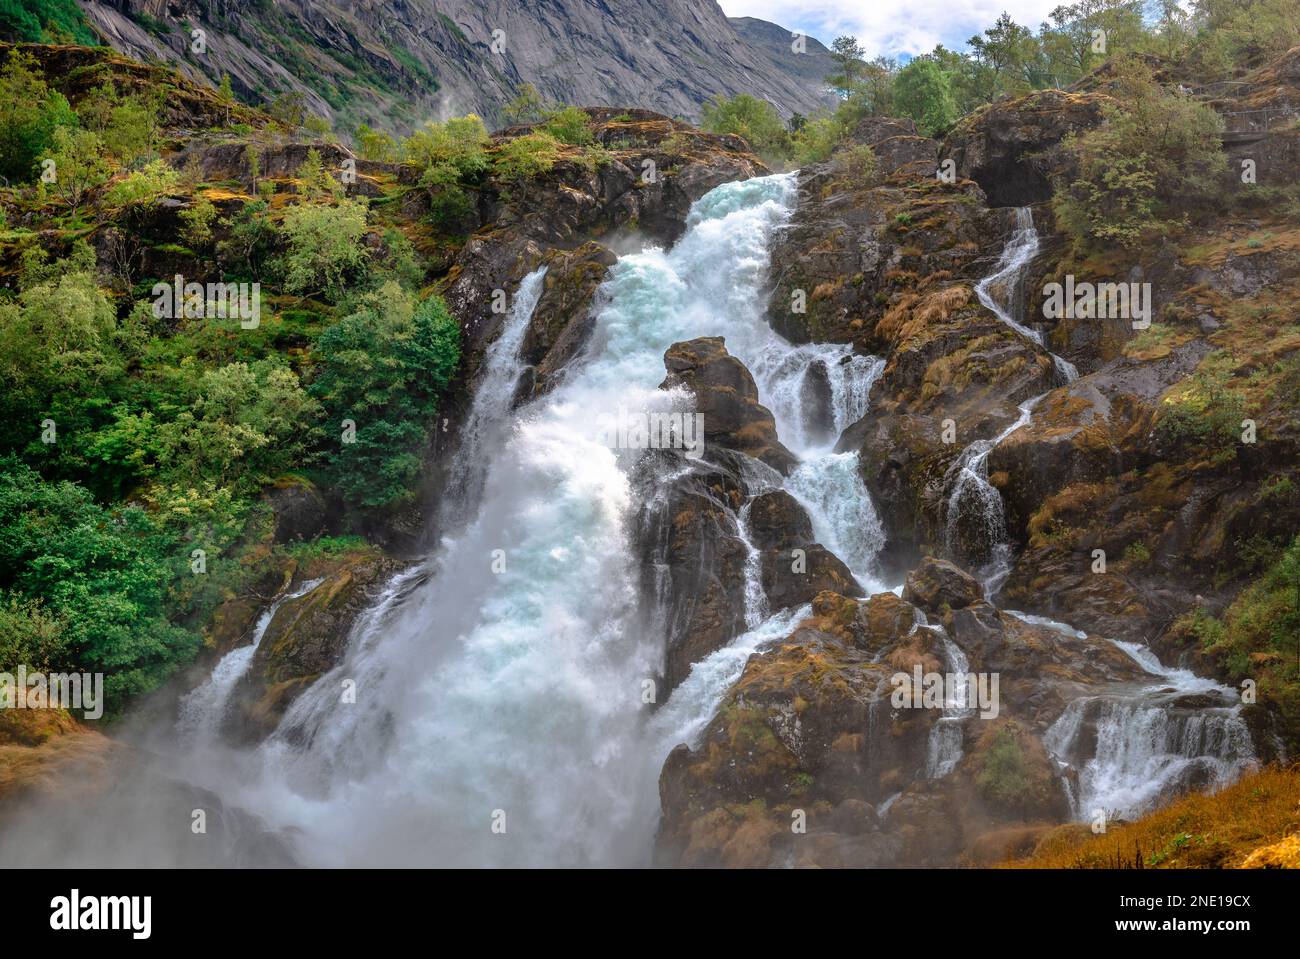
101,577
570,125
324,246
754,119
145,187
1157,153
196,222
817,140
377,145
526,157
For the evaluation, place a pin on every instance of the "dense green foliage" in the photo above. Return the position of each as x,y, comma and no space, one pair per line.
923,92
30,114
385,365
44,21
86,587
1216,38
141,439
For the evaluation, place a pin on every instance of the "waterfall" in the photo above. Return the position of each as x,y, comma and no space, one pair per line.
974,513
494,393
1008,279
815,392
974,502
513,693
1136,746
945,746
1147,750
203,709
755,599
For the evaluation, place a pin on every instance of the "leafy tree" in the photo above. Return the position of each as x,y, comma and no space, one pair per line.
1084,34
30,113
290,108
252,234
239,425
459,144
749,117
1157,152
384,366
923,92
57,335
44,21
1000,53
873,94
196,222
527,106
1245,32
79,165
849,65
314,181
101,577
324,246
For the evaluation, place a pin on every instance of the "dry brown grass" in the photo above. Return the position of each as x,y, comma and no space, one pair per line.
1254,823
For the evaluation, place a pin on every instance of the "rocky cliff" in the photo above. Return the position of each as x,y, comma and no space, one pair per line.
395,64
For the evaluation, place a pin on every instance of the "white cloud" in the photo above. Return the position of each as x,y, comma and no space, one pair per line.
893,27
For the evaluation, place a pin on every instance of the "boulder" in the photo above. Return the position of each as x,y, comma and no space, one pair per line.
563,319
938,585
725,394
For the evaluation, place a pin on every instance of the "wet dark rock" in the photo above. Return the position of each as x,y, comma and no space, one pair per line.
725,394
306,638
301,512
1012,148
564,317
937,585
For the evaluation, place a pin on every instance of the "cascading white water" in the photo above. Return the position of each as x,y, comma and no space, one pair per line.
756,607
203,710
974,500
825,483
494,393
1008,280
971,498
946,744
1135,747
502,682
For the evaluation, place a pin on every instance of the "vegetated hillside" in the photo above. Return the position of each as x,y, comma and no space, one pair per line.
394,64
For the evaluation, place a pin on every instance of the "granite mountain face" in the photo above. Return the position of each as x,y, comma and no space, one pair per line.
393,63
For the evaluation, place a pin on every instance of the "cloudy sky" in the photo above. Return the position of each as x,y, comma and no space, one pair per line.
892,27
